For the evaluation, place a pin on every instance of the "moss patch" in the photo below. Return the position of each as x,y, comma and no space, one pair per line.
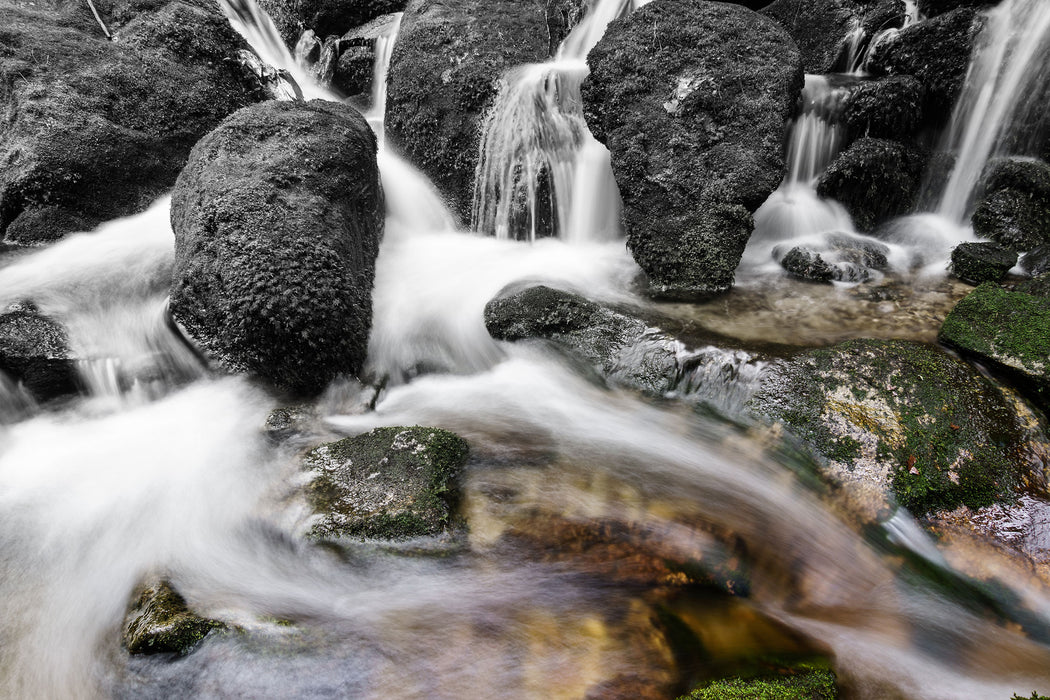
160,622
803,681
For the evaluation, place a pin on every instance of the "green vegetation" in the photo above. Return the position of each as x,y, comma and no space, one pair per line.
804,681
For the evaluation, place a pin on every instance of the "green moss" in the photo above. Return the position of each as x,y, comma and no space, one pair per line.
799,682
161,623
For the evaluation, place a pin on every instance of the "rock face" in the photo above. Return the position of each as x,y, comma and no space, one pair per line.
277,219
621,347
903,418
982,262
444,75
1009,331
820,27
35,352
390,483
890,108
159,622
1015,209
695,130
98,129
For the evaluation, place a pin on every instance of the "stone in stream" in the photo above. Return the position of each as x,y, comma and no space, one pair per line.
982,262
35,352
695,120
158,621
1015,208
444,75
98,129
806,265
904,421
1037,261
277,219
390,483
889,108
1007,331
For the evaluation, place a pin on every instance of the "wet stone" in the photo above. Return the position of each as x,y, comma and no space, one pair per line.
34,351
982,262
1037,261
159,622
806,265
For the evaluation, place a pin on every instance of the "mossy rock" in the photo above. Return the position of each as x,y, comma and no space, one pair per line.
775,682
1015,207
34,350
818,27
390,483
1006,330
1036,262
907,419
806,265
890,108
982,262
158,621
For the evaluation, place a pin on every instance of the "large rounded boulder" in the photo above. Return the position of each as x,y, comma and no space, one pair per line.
691,99
444,75
98,129
277,219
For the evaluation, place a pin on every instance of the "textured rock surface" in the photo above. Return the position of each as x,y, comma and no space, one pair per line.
34,351
890,108
1015,208
390,483
277,221
904,418
444,75
982,262
819,27
695,123
807,265
159,622
98,129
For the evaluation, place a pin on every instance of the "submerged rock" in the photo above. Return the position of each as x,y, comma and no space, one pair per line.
390,483
902,418
158,621
1009,331
982,262
621,347
277,221
35,352
695,133
99,129
444,75
875,180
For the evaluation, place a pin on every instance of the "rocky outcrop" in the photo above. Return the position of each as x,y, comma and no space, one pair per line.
325,17
875,179
277,221
932,8
890,108
902,418
390,483
158,621
982,262
695,133
1009,331
820,27
99,129
444,75
35,352
1015,208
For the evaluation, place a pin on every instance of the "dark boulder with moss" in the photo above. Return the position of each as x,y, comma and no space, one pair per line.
889,108
390,483
1015,208
875,179
621,347
158,621
820,27
1008,331
277,220
444,75
982,262
937,53
97,129
905,418
35,352
695,123
806,265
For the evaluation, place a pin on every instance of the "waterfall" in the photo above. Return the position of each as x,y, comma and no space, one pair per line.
815,136
384,50
540,171
1008,80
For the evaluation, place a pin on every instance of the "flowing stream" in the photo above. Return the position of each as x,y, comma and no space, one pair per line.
181,480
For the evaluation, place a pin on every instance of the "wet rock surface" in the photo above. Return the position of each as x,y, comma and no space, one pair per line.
982,262
1015,208
903,418
158,622
277,221
1009,331
890,108
389,483
695,133
99,129
621,347
807,265
35,352
444,76
819,27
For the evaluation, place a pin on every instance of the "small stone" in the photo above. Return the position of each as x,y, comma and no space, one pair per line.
982,262
159,622
806,265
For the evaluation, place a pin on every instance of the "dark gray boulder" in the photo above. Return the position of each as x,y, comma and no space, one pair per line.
35,352
1015,208
98,129
695,133
443,77
982,262
806,265
389,483
277,221
889,108
1037,261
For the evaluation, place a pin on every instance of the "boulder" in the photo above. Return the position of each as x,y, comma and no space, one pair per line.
390,483
621,347
819,26
889,108
806,265
932,8
982,262
696,133
1015,208
444,75
875,179
158,621
337,17
34,351
98,129
902,418
1008,331
277,219
937,53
